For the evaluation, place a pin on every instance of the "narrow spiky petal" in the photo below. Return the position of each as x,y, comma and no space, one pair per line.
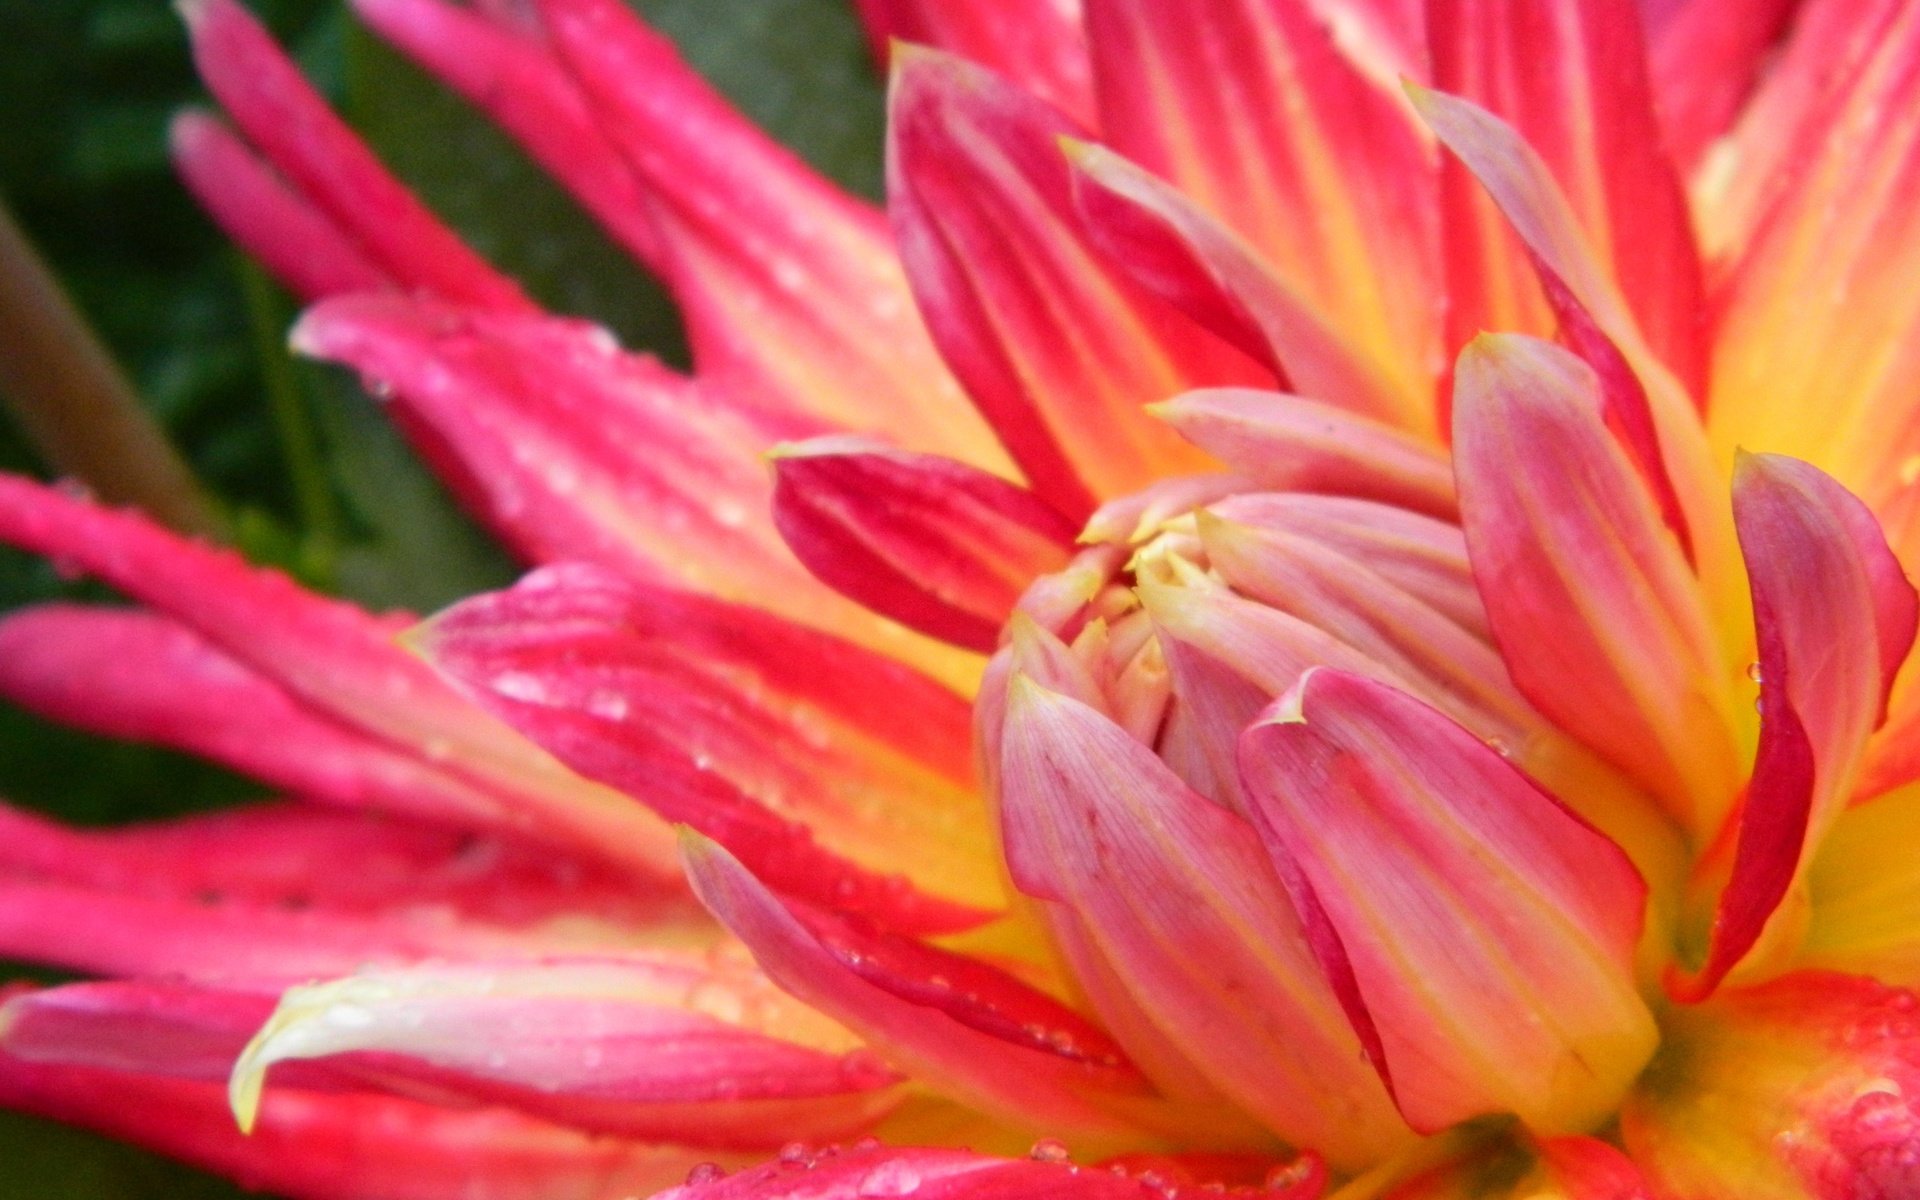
299,245
790,287
337,659
290,123
1704,59
937,545
1476,987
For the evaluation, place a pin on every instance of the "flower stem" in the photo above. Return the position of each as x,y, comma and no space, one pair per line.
73,403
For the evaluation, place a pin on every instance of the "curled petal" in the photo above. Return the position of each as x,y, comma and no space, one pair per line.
812,759
1056,345
1178,895
280,112
1835,618
1480,936
688,1049
1022,1086
935,544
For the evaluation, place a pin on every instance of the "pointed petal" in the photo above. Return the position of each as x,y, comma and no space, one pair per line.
1292,444
1601,624
298,244
1178,893
1835,619
1705,56
791,289
1646,406
1572,80
1021,1086
162,1027
551,434
1489,933
132,675
337,660
812,759
281,113
1179,252
1040,46
1251,109
254,893
1058,347
1803,1086
323,1145
1798,369
519,83
937,545
690,1049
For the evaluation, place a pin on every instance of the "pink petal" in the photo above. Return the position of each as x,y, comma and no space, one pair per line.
1058,347
284,117
1706,56
1572,80
1645,407
679,1048
812,759
1178,895
298,244
1835,618
162,1027
937,545
324,1145
1292,444
1180,252
791,289
1251,109
254,893
132,675
1488,934
1021,1086
522,86
1601,624
1040,46
338,661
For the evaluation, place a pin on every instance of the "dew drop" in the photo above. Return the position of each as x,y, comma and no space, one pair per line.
704,1173
793,1153
1049,1150
1753,672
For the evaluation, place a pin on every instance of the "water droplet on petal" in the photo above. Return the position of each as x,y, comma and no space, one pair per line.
706,1172
1049,1150
1753,672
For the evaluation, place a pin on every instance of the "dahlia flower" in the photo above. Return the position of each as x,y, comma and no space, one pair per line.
1316,608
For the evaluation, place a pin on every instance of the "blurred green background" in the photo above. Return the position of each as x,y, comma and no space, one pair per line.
302,462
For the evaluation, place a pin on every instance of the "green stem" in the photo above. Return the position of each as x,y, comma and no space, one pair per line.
74,405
